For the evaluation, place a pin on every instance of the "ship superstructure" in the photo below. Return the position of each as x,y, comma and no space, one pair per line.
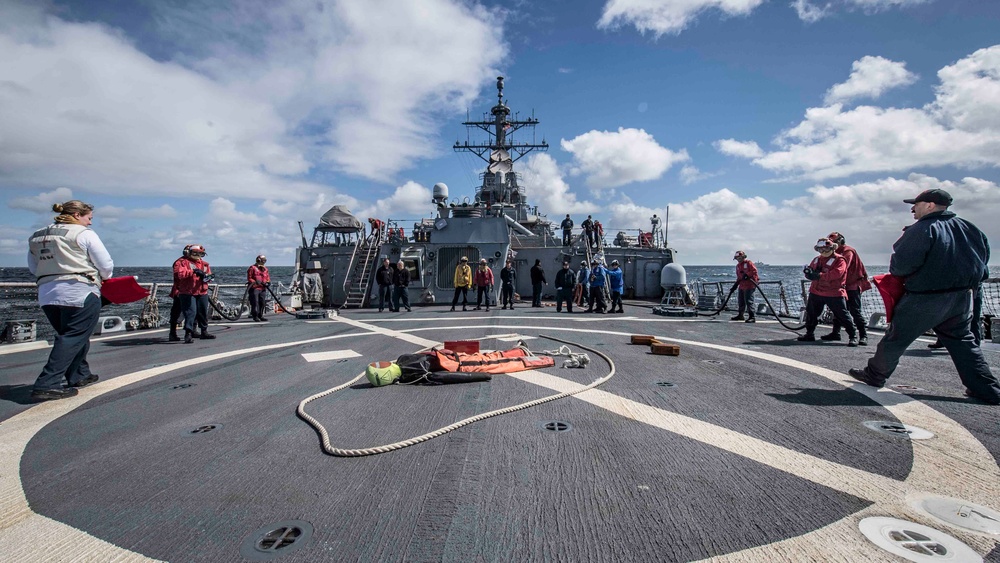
336,268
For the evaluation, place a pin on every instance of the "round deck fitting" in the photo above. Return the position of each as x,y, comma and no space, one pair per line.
902,388
276,540
556,425
898,429
915,542
204,428
962,514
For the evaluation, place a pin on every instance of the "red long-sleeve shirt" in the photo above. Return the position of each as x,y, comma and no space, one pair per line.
746,267
483,277
257,276
856,273
833,272
186,282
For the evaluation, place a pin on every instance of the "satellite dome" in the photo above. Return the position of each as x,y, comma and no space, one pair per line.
440,192
672,275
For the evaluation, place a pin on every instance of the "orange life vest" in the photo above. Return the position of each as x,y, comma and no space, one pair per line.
506,361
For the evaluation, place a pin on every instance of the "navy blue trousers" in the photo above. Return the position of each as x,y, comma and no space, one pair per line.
950,315
68,358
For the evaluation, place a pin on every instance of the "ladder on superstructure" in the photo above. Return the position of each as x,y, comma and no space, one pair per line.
358,284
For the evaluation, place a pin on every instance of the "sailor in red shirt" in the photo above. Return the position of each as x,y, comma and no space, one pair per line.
746,278
258,280
855,284
175,308
828,271
191,278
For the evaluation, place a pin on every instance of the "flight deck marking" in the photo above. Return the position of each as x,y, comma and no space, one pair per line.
331,355
962,453
52,540
18,521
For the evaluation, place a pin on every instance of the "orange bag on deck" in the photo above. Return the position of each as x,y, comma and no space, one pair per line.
506,361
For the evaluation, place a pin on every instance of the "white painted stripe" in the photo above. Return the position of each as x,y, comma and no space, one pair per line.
23,347
332,355
33,537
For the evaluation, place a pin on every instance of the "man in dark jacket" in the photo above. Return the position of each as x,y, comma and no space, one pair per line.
567,228
942,259
401,284
383,277
565,282
537,281
508,279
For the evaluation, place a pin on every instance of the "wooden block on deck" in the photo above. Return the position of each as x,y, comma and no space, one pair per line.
643,339
664,349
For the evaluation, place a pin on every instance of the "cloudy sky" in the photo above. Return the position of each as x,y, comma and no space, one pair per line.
762,124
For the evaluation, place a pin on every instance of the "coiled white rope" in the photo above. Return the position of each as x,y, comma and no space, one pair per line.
341,452
573,361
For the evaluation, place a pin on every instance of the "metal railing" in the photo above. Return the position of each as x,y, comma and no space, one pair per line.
19,301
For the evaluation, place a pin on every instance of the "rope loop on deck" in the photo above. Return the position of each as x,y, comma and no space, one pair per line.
342,452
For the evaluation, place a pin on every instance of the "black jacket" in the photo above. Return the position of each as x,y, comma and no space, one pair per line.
384,275
565,278
508,276
538,275
401,278
941,252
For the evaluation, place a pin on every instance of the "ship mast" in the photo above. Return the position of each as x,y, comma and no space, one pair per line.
500,152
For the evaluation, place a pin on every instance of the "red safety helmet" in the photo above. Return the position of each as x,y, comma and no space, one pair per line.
196,249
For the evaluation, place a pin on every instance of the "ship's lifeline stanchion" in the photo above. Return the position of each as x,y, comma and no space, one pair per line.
339,452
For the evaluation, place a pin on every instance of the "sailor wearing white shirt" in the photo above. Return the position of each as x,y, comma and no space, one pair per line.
69,263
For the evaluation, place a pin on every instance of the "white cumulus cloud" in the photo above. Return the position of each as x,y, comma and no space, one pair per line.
250,99
43,202
668,16
743,149
615,158
707,229
546,188
870,77
961,128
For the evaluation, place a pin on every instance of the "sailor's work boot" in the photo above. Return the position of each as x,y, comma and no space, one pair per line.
852,342
188,337
737,318
751,320
205,335
863,340
172,337
832,336
807,338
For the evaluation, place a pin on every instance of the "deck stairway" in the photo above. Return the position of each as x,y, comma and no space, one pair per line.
362,270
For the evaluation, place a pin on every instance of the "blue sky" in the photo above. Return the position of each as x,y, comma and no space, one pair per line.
762,124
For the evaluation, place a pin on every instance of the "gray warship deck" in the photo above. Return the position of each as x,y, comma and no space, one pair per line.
746,447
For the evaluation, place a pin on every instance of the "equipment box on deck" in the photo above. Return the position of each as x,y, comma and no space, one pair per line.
462,346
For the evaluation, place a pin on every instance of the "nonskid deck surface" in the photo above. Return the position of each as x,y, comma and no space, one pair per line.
746,447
